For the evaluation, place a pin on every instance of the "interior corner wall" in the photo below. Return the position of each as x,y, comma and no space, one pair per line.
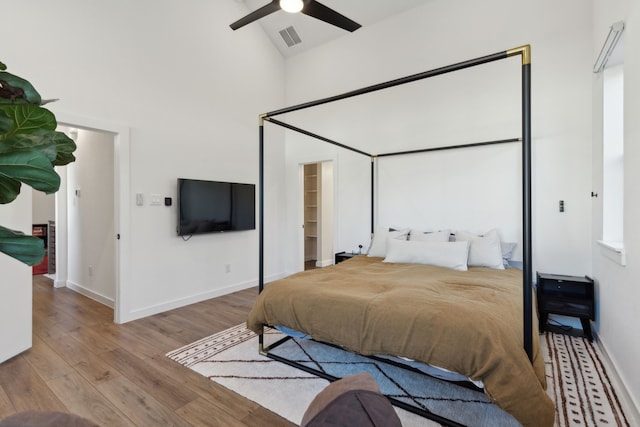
190,90
436,34
617,290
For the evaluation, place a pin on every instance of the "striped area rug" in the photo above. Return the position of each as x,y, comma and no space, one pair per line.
579,384
577,380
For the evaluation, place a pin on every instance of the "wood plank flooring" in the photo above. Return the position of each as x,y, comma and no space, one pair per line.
117,375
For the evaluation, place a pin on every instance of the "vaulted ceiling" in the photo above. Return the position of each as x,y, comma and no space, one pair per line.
313,32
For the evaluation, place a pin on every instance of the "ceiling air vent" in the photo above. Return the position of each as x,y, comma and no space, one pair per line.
290,36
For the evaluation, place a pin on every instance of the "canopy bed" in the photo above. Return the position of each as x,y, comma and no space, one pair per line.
369,328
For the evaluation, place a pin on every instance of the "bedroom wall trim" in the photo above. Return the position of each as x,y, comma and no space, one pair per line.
525,139
631,408
109,302
615,252
197,297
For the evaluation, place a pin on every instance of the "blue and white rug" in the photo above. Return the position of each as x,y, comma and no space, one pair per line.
577,381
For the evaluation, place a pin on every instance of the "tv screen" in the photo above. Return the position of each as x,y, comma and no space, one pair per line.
213,206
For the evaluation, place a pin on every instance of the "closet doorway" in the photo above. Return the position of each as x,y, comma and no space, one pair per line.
318,214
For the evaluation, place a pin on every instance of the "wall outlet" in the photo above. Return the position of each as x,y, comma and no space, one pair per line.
91,271
227,268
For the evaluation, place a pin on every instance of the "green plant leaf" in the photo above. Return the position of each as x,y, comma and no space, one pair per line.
9,189
57,146
6,124
29,118
43,140
31,167
65,147
26,249
29,149
14,89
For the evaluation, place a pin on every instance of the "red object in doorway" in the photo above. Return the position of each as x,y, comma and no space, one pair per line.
43,267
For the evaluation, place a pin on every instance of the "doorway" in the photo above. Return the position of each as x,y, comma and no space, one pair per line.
318,209
109,261
89,211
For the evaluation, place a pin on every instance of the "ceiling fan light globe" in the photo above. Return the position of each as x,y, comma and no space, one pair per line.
291,6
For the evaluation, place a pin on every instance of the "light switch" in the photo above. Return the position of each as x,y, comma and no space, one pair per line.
139,199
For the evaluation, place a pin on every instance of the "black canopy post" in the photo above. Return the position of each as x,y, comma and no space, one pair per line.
261,203
527,258
373,180
261,217
526,209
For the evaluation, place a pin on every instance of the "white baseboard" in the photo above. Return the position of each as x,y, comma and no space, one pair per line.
90,294
181,302
631,408
324,263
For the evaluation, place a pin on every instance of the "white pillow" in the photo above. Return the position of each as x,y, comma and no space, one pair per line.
484,251
435,236
378,246
508,250
442,254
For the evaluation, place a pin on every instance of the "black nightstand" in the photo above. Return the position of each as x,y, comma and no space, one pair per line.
343,256
568,296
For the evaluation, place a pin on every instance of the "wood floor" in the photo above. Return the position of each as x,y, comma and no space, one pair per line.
118,375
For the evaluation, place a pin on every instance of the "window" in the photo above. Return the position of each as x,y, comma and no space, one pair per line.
611,63
613,154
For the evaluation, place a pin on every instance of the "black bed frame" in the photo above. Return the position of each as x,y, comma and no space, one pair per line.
525,139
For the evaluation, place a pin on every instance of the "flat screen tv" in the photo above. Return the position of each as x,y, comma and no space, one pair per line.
213,206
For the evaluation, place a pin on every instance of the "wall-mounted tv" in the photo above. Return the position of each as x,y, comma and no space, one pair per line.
214,206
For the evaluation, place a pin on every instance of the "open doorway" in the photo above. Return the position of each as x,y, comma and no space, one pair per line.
110,167
318,214
85,213
77,222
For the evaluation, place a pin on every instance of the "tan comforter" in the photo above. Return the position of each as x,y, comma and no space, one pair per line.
465,321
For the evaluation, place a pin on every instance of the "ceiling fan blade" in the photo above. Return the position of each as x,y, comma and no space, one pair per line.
265,10
330,16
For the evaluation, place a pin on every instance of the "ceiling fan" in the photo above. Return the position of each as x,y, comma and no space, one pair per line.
311,8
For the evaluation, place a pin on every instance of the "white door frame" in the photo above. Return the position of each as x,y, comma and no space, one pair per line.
122,226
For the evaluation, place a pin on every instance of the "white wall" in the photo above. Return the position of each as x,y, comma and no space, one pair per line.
90,213
190,90
44,207
15,282
616,286
471,106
